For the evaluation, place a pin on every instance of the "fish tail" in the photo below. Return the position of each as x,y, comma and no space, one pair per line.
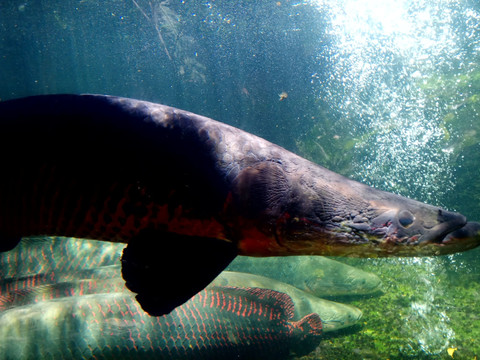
308,331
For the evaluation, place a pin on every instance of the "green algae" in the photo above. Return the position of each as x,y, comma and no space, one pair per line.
425,309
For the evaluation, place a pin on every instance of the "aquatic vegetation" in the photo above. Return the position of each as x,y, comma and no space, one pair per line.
328,143
422,314
178,46
166,15
459,94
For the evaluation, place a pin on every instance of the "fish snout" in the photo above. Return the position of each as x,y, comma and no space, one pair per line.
450,233
446,222
470,233
417,225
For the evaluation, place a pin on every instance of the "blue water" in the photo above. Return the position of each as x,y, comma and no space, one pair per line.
385,92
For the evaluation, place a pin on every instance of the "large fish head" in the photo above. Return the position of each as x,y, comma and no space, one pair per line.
313,211
336,316
356,220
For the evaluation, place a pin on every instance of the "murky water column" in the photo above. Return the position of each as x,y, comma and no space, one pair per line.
380,54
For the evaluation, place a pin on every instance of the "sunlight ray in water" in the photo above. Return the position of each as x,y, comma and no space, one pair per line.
380,57
381,53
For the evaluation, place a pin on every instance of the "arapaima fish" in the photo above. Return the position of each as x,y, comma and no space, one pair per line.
217,323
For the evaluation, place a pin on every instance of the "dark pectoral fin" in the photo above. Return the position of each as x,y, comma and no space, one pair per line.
167,269
7,243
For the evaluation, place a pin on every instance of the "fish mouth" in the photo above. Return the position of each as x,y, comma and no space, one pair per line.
453,235
452,222
409,228
469,233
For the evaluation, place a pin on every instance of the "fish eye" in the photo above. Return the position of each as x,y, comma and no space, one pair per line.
405,218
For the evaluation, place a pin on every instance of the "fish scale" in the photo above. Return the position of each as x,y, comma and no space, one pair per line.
57,255
217,323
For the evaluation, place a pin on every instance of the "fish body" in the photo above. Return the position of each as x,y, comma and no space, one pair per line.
51,259
48,260
42,255
217,323
335,316
51,290
188,193
317,275
42,269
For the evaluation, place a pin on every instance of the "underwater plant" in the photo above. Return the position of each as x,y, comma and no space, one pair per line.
178,46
